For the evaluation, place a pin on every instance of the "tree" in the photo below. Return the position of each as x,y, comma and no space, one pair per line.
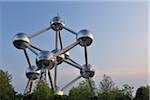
128,90
19,96
107,84
84,91
142,93
113,95
60,97
108,90
42,91
7,91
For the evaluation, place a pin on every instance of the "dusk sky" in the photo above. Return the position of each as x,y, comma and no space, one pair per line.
119,49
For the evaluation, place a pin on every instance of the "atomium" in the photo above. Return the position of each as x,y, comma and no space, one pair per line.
48,60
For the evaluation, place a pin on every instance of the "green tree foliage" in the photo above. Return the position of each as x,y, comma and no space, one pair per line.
113,95
85,91
108,91
128,90
142,93
19,97
6,89
60,97
42,91
106,84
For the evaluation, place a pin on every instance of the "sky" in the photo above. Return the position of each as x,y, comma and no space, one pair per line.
119,49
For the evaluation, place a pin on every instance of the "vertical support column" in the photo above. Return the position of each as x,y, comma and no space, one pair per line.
27,57
86,57
60,40
56,42
50,79
56,66
56,76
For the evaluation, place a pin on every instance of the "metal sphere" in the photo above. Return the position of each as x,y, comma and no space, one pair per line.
59,59
32,73
87,71
43,60
85,37
57,23
20,40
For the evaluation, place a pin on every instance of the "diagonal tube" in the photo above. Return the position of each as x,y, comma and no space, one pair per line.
35,47
77,78
28,87
72,63
27,57
60,40
40,32
50,79
90,84
31,49
66,49
69,30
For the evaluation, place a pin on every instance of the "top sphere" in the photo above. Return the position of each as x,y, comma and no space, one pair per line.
57,23
85,37
20,40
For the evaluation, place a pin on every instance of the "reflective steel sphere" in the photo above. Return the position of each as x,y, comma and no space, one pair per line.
31,73
85,37
57,23
20,40
60,58
43,60
87,71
